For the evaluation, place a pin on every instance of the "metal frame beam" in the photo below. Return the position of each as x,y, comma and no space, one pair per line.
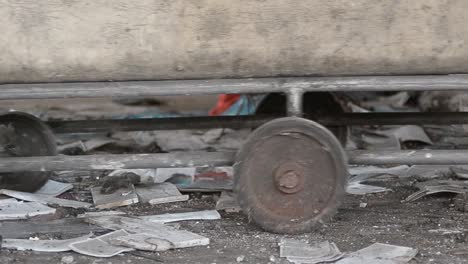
234,86
239,122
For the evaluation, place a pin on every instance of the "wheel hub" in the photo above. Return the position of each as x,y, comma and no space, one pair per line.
289,178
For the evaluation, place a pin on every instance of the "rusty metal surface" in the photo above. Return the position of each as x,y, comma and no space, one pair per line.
290,174
23,135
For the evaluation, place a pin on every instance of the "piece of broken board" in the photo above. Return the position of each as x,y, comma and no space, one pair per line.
120,197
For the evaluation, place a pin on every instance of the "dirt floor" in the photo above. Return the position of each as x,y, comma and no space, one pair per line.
361,221
384,219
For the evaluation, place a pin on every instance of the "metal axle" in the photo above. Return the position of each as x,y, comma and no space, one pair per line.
238,122
194,159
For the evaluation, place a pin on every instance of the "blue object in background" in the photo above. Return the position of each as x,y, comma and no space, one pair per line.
246,105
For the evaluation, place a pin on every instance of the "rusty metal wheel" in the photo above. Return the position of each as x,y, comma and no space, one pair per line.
24,135
290,174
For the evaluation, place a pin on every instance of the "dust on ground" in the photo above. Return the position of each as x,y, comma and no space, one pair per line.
384,219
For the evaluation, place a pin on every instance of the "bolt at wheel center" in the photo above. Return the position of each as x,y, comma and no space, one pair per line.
288,178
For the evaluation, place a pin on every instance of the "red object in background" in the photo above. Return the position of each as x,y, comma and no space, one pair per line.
224,102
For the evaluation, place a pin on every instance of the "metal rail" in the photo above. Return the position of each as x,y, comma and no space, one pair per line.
238,122
116,161
234,86
193,159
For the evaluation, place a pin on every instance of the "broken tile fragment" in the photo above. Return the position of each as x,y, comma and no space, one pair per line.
12,209
42,245
54,188
357,188
146,242
438,186
121,197
299,252
100,213
100,246
168,218
179,238
160,193
228,202
44,199
379,253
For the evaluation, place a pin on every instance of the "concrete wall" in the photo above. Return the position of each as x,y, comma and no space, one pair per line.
92,40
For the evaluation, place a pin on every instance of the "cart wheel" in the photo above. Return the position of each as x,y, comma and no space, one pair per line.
290,174
24,135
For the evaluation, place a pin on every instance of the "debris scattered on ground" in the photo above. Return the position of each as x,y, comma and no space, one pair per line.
66,227
100,213
396,101
438,186
11,209
442,101
228,202
81,147
299,252
54,188
42,245
213,135
186,140
100,246
126,180
358,188
178,176
373,140
168,218
148,232
380,254
145,242
44,199
428,171
160,193
366,172
460,172
409,133
207,179
146,176
178,238
121,197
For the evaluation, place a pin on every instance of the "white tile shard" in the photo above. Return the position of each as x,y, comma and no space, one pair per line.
228,202
44,199
300,252
160,193
179,238
146,242
120,197
100,246
379,253
54,188
168,218
12,209
42,245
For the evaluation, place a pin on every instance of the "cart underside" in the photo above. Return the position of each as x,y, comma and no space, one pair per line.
290,174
